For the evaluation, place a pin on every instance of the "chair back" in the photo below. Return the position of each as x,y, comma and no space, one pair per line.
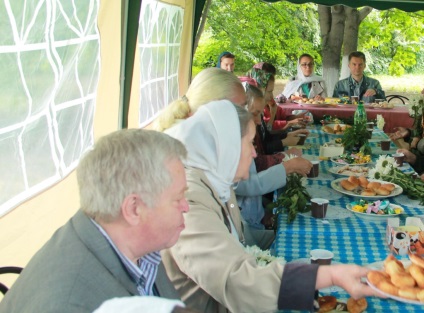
8,270
398,97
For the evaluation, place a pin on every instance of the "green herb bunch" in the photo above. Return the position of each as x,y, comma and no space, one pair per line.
294,199
356,137
387,171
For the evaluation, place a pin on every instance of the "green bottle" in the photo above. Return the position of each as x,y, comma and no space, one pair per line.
360,117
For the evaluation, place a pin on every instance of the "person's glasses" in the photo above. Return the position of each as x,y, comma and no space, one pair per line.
307,65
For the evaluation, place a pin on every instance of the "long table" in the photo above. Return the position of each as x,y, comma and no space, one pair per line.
398,116
351,239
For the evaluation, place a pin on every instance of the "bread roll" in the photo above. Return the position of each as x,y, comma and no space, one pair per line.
347,185
373,185
382,191
354,180
328,129
363,181
337,128
388,186
368,192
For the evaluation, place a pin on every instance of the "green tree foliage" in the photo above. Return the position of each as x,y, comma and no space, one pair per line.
393,39
257,31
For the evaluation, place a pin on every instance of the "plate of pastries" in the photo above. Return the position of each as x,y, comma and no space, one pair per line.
367,189
401,281
335,129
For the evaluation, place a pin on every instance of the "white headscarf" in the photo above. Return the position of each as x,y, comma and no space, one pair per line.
299,80
213,141
145,304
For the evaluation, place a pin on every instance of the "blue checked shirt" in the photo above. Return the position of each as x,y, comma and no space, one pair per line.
144,272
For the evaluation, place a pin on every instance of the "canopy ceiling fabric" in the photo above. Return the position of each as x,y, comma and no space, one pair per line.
405,5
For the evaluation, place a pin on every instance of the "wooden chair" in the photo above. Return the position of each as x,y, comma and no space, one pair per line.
8,270
399,97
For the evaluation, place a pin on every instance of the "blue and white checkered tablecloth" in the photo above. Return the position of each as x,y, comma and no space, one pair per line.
351,239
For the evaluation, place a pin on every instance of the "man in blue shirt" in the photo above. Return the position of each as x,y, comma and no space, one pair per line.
357,84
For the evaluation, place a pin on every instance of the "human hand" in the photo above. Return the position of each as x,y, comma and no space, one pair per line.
298,132
294,151
422,176
297,165
400,132
290,141
370,93
318,98
296,121
409,156
347,277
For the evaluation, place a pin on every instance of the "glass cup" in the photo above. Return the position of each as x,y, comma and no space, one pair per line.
370,125
399,157
314,170
302,138
319,207
321,256
385,144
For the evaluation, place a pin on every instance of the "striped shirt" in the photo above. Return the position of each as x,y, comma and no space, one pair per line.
144,272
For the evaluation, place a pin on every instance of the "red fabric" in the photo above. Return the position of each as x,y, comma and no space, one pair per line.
265,161
280,118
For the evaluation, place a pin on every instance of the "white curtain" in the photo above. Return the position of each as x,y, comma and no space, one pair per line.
49,70
159,41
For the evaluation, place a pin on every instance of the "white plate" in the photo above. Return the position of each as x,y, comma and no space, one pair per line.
335,184
335,160
335,169
394,297
375,217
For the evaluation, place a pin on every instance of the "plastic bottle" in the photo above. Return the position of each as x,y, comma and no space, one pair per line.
360,117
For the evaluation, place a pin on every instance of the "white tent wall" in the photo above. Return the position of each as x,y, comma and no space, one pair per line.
26,228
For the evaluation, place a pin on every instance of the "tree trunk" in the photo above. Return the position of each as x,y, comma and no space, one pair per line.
332,24
202,24
351,32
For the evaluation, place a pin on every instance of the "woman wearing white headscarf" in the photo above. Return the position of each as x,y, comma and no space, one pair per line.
305,83
208,265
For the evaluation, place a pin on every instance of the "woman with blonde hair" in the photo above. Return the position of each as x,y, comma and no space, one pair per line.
209,85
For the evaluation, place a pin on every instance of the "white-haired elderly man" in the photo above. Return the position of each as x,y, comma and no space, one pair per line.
132,193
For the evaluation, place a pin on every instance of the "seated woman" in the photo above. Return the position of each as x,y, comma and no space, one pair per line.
210,84
209,265
274,116
305,84
271,141
249,192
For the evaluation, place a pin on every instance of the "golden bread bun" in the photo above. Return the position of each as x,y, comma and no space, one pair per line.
326,303
382,191
347,185
368,193
356,306
363,181
373,185
388,186
328,129
354,180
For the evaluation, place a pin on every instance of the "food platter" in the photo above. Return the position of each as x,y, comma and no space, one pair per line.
314,105
339,161
388,295
349,170
335,184
330,129
375,217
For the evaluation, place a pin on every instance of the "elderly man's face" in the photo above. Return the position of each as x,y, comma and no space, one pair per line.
228,64
165,221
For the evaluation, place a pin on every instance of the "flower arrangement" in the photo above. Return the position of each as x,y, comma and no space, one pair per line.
416,105
386,169
380,121
263,257
295,197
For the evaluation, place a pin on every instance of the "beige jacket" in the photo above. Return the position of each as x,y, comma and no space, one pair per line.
209,266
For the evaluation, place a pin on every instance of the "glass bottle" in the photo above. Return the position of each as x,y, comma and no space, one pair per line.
360,117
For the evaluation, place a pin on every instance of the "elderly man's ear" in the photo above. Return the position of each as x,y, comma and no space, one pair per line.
132,208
